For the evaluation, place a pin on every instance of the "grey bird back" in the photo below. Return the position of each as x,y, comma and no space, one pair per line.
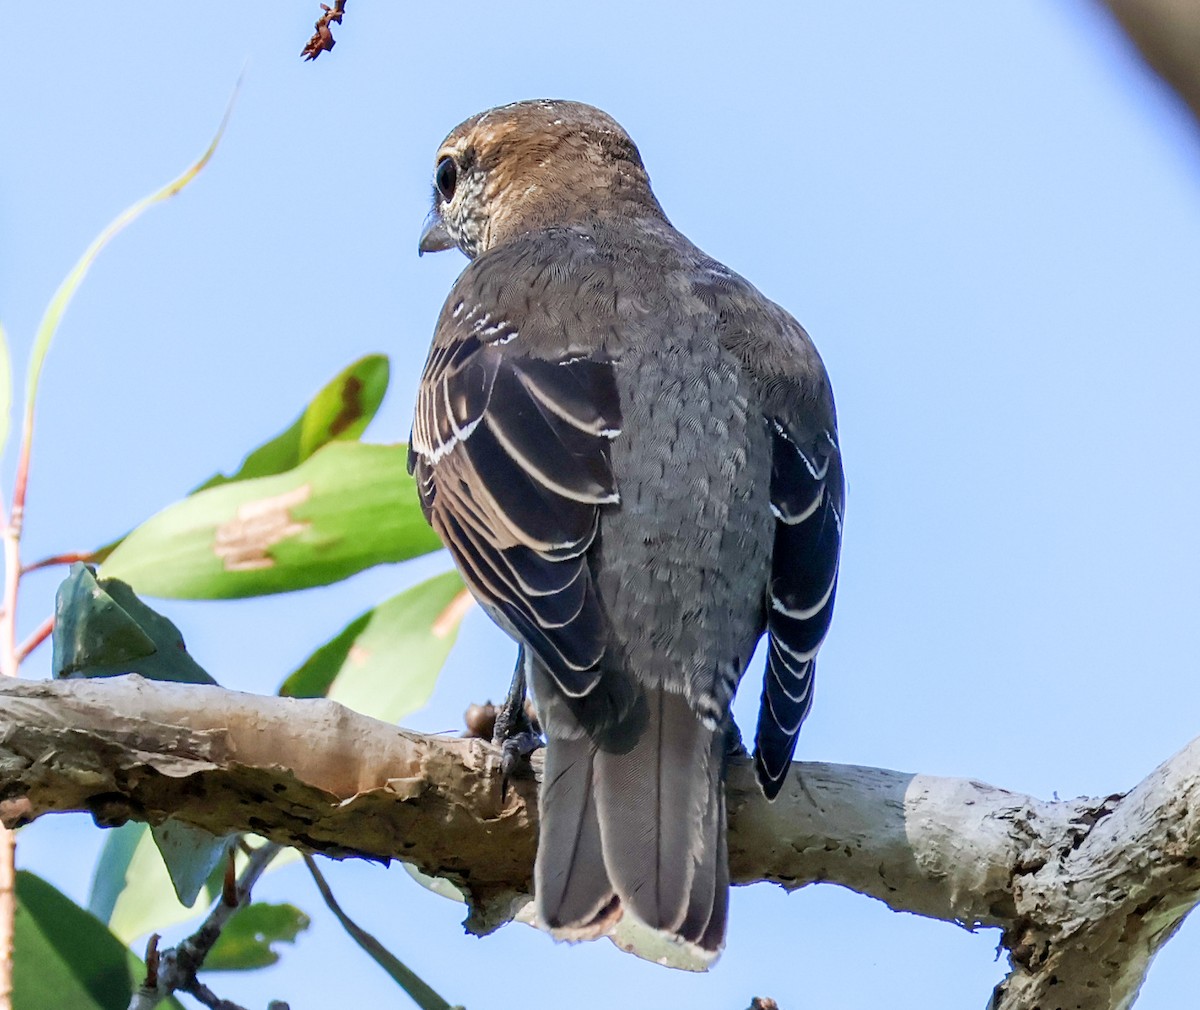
632,456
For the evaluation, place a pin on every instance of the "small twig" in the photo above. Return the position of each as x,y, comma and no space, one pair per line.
152,961
229,886
322,38
210,999
69,558
175,969
404,976
40,634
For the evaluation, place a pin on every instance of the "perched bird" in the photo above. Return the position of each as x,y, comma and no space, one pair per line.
632,456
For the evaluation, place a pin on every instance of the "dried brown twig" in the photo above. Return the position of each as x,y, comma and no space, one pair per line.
322,38
174,970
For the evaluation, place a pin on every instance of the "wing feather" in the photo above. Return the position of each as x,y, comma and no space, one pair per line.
807,492
510,451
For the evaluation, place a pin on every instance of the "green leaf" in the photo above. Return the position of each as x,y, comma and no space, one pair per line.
340,411
438,885
64,957
131,889
191,855
417,988
385,662
348,507
246,941
48,327
101,629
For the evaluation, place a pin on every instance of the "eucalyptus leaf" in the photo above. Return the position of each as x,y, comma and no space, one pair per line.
131,889
385,662
101,629
61,299
191,855
346,508
247,940
438,885
63,956
340,411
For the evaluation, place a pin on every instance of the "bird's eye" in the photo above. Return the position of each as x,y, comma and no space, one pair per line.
446,178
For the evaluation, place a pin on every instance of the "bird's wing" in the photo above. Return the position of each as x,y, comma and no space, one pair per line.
510,451
807,494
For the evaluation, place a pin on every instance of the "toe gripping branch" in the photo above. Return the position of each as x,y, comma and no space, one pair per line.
517,733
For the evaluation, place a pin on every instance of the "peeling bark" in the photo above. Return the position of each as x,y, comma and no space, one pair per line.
1085,891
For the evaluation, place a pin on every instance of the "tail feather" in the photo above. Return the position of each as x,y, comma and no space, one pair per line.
575,897
644,824
714,935
704,924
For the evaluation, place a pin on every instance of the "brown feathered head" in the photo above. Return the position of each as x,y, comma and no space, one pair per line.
532,165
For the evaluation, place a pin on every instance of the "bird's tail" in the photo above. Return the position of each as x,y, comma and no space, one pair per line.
637,828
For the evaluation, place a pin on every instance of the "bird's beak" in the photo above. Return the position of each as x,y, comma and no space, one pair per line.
434,235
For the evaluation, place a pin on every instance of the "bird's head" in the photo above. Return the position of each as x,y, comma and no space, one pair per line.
531,165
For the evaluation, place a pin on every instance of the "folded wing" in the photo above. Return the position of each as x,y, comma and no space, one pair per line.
807,493
510,450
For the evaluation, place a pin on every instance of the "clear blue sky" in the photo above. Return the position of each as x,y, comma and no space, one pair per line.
989,220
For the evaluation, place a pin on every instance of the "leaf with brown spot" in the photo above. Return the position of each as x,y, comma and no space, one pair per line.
348,507
341,411
243,542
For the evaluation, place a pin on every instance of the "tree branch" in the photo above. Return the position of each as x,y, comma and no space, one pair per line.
1086,891
175,969
1167,32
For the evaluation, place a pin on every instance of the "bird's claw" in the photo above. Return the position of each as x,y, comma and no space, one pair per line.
515,733
514,756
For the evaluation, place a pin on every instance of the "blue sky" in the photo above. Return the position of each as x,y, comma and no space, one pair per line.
989,221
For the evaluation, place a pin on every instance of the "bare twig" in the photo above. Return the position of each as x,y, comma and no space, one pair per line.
404,976
210,999
10,534
152,961
39,635
175,969
322,40
60,559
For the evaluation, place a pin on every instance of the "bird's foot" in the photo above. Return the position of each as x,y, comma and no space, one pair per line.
516,732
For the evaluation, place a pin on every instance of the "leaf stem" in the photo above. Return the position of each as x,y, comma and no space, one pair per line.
69,558
177,967
39,635
404,976
11,536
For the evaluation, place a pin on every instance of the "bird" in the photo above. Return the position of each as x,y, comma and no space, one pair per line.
631,454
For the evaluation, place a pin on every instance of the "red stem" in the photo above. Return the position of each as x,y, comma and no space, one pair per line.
59,559
40,634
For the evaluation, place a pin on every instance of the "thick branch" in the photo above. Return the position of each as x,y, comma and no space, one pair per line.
1168,34
1086,891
